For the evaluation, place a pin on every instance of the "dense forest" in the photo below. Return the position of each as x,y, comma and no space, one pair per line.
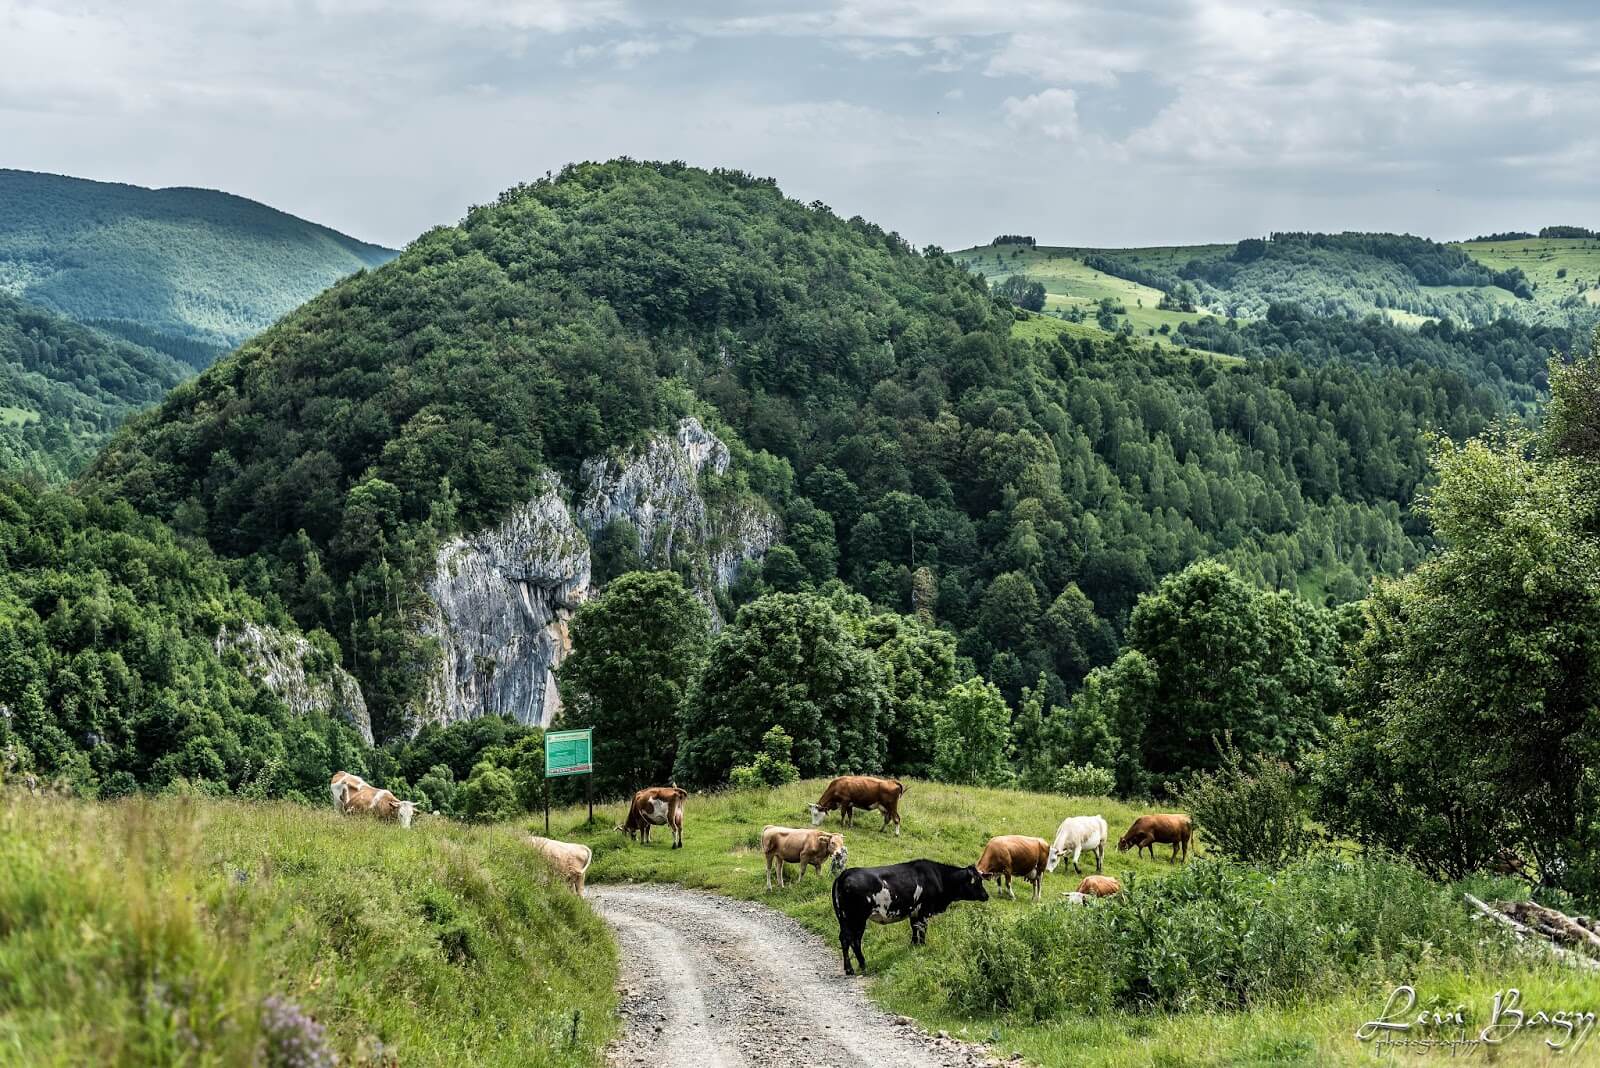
190,272
64,388
913,447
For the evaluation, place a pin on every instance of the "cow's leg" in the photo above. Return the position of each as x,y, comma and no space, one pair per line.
1099,857
769,871
919,931
1038,885
844,948
1075,851
860,934
1174,858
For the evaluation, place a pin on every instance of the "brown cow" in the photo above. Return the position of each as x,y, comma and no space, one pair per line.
808,847
850,792
379,803
342,781
1170,828
655,806
1015,854
1099,886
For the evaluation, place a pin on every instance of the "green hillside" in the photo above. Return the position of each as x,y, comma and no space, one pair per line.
185,931
1565,272
875,397
191,272
65,387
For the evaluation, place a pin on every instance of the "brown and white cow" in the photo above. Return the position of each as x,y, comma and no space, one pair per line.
808,848
380,803
1007,855
570,860
342,781
850,792
656,806
1167,828
1099,886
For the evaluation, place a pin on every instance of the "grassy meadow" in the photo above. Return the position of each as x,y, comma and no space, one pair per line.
1560,267
1373,933
154,932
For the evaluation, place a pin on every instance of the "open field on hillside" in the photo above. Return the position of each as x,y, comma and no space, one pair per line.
153,932
14,416
1544,260
1295,1028
1045,326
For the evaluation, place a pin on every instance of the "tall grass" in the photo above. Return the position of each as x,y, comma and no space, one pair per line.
196,933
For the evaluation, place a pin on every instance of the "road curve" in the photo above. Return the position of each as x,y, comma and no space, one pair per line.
709,982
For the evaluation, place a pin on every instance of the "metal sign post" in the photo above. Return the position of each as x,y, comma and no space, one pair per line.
568,753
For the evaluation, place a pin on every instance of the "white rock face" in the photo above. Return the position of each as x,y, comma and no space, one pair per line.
504,596
278,661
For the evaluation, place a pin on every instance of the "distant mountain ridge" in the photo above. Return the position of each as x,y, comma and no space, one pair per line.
189,272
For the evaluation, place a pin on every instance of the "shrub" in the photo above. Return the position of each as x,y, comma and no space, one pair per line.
1084,780
771,767
489,795
1247,814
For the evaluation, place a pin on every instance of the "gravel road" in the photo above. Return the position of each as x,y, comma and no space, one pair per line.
709,982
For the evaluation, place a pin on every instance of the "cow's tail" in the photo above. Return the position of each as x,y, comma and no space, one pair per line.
585,869
900,784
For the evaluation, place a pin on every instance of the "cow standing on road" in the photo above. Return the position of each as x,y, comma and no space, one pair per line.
916,891
656,806
850,792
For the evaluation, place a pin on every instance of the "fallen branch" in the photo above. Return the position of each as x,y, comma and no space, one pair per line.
1546,941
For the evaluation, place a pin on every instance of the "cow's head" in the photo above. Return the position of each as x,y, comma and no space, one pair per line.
1076,898
969,885
817,815
1054,858
1126,842
841,855
406,810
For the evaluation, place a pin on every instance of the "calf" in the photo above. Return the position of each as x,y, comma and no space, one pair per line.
786,845
1015,854
1099,886
342,781
570,860
1170,828
850,792
379,803
656,806
1080,834
916,890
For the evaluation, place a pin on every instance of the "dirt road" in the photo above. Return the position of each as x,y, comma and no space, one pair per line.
708,982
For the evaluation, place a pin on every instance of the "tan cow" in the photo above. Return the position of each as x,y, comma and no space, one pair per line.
570,860
342,781
1099,886
380,803
850,792
1167,828
808,847
1015,854
656,806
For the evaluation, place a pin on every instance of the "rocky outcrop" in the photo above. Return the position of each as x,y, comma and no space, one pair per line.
502,598
288,665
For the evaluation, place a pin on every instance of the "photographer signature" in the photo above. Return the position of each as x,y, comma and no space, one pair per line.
1399,1025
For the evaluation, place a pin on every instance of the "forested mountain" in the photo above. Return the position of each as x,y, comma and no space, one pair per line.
495,380
65,387
191,272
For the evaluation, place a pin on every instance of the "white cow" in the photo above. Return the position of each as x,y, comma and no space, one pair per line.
571,860
1080,834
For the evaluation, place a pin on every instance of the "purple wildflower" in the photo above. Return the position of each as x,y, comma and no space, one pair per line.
294,1039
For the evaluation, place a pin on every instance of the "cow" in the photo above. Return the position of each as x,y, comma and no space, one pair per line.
570,860
342,781
376,802
1080,834
655,806
1015,854
850,792
916,891
808,847
1099,886
1170,828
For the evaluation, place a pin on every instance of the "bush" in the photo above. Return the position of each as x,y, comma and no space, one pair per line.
1084,780
1248,815
771,767
489,795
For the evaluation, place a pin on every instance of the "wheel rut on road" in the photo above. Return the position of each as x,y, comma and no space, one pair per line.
710,982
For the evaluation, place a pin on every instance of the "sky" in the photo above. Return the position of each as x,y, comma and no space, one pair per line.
950,121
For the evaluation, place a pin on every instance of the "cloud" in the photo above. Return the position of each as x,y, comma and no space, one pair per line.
627,51
1053,113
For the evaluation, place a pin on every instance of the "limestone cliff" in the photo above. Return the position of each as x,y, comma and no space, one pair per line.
502,598
287,664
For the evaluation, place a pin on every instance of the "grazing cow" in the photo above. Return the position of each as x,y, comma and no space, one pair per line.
1081,834
786,845
1099,886
1015,854
379,803
342,781
570,860
916,890
1170,828
850,792
656,806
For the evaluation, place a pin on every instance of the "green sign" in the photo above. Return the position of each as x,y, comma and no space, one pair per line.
568,753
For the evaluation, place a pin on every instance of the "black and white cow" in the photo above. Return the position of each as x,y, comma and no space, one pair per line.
915,891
